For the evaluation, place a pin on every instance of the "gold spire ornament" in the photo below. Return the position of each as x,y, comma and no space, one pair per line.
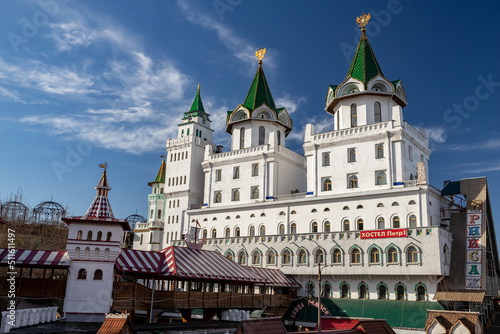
260,54
362,21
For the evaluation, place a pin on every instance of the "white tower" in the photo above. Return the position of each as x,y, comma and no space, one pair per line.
183,185
94,242
149,235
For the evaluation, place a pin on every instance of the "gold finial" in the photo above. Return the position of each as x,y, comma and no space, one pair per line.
363,21
104,165
260,54
198,86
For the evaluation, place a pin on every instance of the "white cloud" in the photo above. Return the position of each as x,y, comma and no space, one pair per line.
291,103
68,35
436,134
485,168
240,48
46,78
321,124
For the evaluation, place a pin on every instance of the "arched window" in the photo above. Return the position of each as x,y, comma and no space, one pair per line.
314,227
286,257
381,178
236,195
374,255
396,222
354,116
230,255
293,228
236,173
377,112
262,231
82,274
151,237
413,221
345,208
281,229
196,132
77,252
218,175
237,232
271,257
355,256
302,256
79,235
446,253
412,202
98,274
262,135
256,257
352,155
337,256
242,257
344,291
327,290
255,192
97,254
326,226
392,255
99,236
362,291
380,151
242,138
205,234
218,197
381,223
108,236
382,291
319,257
310,288
395,204
326,159
214,233
182,133
228,232
252,231
421,293
361,225
400,292
279,137
255,170
327,185
159,214
353,181
412,254
89,235
346,225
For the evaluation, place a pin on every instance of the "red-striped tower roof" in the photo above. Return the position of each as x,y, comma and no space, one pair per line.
100,207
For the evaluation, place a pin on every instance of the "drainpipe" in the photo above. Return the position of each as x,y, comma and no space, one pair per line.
389,159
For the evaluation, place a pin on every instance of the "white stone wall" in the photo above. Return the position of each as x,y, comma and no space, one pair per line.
27,317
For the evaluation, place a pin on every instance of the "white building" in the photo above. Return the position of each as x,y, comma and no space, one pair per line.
357,202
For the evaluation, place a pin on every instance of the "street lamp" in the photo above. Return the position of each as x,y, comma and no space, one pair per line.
319,259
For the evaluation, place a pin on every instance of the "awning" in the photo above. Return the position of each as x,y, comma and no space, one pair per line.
186,262
35,258
139,262
460,296
397,313
274,277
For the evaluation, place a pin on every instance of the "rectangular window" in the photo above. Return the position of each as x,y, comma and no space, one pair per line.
410,153
218,175
326,159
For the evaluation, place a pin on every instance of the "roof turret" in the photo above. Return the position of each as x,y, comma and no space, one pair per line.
160,177
100,207
364,65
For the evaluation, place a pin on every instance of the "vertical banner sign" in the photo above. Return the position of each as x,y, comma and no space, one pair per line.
473,234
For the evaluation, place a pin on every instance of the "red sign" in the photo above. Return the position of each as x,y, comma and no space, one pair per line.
395,233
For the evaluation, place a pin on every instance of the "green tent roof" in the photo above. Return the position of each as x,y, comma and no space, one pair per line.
259,92
160,177
197,103
364,65
397,313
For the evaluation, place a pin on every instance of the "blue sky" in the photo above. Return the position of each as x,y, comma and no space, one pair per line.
83,82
